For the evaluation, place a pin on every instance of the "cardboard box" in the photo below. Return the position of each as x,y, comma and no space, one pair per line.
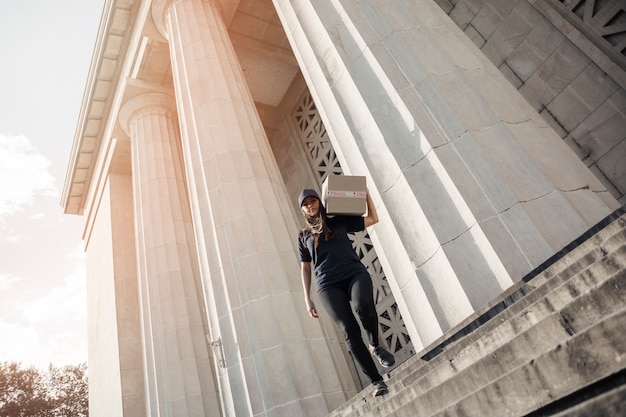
344,194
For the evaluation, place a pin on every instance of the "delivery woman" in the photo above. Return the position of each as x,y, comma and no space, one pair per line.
341,280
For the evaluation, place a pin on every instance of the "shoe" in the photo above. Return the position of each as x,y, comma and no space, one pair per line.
385,358
380,388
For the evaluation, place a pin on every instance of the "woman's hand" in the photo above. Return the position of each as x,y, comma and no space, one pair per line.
372,215
310,308
305,273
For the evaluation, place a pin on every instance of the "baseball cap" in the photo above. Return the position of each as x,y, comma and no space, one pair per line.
307,193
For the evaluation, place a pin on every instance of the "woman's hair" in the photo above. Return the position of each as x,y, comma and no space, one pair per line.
318,224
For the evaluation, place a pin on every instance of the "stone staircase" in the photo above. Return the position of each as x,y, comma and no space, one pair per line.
553,345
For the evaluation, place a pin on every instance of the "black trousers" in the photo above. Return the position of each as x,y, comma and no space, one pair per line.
338,301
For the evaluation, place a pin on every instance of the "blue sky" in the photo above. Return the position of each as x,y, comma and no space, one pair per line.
45,49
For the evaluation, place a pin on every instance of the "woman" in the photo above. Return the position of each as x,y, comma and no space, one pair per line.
342,279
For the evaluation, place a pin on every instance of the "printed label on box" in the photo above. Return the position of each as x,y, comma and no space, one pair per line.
346,194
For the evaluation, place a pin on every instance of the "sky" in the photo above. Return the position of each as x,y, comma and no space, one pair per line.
46,49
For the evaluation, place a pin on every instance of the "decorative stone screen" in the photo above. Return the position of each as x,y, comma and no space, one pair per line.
324,162
602,21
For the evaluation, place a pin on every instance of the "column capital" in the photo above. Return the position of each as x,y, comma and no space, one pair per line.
140,102
227,9
159,11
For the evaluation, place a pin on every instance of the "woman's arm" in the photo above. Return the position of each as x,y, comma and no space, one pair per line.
372,214
305,273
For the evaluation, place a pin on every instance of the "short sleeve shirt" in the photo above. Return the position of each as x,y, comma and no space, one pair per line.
334,260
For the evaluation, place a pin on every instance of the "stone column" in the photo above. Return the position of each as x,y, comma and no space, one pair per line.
276,361
178,372
474,188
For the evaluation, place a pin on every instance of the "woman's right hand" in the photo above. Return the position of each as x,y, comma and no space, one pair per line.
310,307
305,273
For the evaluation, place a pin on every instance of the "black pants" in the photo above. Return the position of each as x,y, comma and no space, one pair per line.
336,301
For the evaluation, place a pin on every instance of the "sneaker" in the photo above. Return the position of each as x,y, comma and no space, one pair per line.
385,358
380,388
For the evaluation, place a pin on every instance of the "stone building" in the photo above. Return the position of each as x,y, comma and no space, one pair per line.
491,134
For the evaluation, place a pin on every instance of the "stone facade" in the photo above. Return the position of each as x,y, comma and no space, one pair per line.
568,60
202,120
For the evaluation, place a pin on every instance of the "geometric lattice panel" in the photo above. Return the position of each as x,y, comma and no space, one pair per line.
313,134
602,21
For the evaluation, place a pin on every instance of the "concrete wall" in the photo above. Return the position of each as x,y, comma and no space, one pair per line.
572,76
116,385
105,390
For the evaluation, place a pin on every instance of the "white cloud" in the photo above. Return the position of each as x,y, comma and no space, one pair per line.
24,174
23,345
7,281
48,327
60,304
32,347
9,236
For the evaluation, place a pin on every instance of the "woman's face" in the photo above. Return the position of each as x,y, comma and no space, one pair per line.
311,206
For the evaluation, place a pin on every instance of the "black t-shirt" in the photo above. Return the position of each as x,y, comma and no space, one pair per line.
334,260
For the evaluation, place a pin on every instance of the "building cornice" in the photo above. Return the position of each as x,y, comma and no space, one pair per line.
116,26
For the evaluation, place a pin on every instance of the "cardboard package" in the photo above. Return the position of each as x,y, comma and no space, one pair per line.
344,194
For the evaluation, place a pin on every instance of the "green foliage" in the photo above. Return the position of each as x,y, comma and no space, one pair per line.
55,392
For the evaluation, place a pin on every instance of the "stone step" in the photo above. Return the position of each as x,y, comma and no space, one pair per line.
519,342
579,257
582,360
592,287
532,319
606,397
525,314
447,381
586,359
535,286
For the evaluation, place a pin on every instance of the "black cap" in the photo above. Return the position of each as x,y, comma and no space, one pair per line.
307,193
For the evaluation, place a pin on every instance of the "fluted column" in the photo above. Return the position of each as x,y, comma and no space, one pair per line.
474,188
178,372
275,358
